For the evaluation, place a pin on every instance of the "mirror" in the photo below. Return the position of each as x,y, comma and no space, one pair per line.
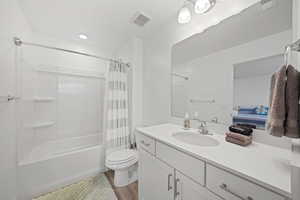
251,90
224,72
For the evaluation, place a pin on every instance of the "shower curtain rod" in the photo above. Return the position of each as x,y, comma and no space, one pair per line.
19,42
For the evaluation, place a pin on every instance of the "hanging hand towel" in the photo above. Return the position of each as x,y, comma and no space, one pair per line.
277,113
292,103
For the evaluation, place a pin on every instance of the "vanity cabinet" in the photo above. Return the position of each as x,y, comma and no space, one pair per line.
233,187
146,180
146,143
159,181
166,173
190,166
156,179
187,189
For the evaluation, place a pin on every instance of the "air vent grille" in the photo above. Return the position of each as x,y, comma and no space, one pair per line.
140,19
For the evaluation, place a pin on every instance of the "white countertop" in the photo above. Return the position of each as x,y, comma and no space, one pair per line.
265,165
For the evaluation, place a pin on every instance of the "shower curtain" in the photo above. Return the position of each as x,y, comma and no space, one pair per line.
117,120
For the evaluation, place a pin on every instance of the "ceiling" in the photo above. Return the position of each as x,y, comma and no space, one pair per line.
252,24
106,22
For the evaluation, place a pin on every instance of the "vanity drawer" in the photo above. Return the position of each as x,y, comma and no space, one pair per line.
232,187
187,165
146,143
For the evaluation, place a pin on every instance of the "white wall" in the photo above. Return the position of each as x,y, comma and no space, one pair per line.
12,23
179,96
132,52
250,91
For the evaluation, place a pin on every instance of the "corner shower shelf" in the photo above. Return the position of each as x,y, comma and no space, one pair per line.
43,99
43,125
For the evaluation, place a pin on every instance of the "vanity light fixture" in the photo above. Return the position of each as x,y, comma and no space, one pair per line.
200,7
184,15
203,6
83,36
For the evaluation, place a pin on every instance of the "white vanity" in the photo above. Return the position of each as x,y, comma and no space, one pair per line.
172,168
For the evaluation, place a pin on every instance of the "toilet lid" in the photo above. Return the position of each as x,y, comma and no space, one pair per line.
122,156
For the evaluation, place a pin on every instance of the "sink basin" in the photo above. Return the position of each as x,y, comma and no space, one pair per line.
196,139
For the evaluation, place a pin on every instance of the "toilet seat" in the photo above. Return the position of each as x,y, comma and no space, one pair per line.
121,159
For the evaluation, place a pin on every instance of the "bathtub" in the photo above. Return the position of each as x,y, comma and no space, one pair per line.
57,164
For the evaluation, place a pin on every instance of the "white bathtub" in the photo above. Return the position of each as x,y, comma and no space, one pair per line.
54,165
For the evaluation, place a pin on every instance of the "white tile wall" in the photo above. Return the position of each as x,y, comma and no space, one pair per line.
75,92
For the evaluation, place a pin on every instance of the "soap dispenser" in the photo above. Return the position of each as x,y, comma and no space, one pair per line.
187,122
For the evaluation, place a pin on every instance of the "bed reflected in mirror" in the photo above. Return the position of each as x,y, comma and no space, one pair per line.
251,90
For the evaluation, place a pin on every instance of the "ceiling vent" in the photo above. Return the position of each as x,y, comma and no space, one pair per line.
140,19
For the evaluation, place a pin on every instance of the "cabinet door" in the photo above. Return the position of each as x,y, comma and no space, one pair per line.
164,181
146,179
187,189
156,179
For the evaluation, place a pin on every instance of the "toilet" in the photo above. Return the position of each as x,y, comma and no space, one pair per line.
124,163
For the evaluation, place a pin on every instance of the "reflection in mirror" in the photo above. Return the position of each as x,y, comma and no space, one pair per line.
210,70
252,90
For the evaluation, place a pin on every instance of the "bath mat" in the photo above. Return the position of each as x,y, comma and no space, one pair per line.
95,188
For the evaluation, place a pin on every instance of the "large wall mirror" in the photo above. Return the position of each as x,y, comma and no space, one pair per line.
224,73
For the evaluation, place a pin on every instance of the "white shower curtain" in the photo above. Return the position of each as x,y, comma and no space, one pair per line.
117,120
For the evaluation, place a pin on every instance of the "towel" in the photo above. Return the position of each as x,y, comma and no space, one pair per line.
238,139
277,113
243,130
292,103
238,142
283,119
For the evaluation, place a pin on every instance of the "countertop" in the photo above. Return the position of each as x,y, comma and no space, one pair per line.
263,164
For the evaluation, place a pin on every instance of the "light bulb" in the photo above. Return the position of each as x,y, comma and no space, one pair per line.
184,15
202,6
83,36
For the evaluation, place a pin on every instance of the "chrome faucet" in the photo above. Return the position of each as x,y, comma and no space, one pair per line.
203,127
215,120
